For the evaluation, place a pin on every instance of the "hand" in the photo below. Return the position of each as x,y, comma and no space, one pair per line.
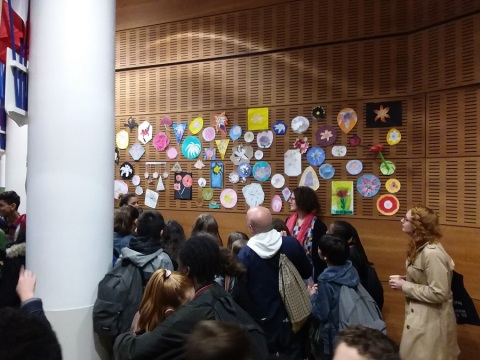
26,284
396,284
312,289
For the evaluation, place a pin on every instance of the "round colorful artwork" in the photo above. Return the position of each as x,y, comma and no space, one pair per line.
233,177
388,204
196,125
119,187
191,147
207,194
208,133
339,151
300,124
387,167
368,185
280,128
161,141
248,137
277,203
244,170
277,181
326,171
315,156
121,139
139,190
228,198
393,137
326,135
347,118
354,167
136,180
259,155
262,171
235,132
126,170
392,186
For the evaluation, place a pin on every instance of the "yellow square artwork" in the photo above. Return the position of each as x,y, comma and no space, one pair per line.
258,119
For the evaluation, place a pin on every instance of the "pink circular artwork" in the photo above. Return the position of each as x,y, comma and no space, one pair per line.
208,133
161,141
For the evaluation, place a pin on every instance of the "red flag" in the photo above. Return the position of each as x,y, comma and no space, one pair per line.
19,19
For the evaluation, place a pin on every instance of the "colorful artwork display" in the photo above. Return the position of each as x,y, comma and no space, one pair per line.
384,114
342,198
183,186
258,119
216,174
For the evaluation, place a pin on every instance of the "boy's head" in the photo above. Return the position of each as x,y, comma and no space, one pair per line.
9,203
150,224
333,250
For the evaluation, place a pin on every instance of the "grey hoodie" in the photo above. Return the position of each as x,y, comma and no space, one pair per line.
150,262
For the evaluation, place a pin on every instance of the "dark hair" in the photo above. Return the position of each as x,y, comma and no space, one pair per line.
173,237
207,223
10,197
234,236
217,340
370,343
150,224
229,264
201,254
335,249
279,225
27,337
348,233
306,199
124,198
238,245
124,219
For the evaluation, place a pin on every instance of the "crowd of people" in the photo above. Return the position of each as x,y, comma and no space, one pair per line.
204,299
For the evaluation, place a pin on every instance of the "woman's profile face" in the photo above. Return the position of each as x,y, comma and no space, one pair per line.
407,225
133,201
292,202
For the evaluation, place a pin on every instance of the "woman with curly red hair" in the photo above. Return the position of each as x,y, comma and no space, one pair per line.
430,329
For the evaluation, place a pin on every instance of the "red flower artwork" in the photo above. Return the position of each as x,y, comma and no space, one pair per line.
187,181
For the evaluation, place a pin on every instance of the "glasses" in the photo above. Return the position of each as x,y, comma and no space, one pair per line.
291,198
404,219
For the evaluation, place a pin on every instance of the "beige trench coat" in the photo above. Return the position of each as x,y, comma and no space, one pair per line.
430,328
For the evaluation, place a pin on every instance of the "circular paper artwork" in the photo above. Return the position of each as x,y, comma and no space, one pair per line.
126,170
191,147
235,132
248,137
280,128
233,177
244,170
388,204
119,187
277,181
277,203
172,153
259,154
354,167
387,167
136,180
139,190
339,151
347,118
326,135
253,194
265,139
318,113
202,182
207,194
368,185
393,137
300,124
161,141
208,133
199,202
262,171
315,156
121,139
392,186
228,198
326,171
196,125
136,151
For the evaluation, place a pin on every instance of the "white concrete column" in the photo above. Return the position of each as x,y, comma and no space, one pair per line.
70,162
16,161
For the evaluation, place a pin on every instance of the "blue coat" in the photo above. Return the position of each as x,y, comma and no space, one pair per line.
325,302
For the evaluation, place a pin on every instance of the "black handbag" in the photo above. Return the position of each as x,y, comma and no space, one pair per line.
463,305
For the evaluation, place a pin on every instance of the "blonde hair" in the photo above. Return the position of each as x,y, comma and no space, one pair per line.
426,229
165,290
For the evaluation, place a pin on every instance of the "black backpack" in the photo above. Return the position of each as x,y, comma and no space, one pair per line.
374,286
119,296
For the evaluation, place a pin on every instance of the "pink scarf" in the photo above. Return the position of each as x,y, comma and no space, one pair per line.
292,220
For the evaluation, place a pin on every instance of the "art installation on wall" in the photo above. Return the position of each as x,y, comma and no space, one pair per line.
309,178
216,174
384,114
342,198
388,204
347,119
145,132
121,139
151,198
254,195
228,198
183,186
257,119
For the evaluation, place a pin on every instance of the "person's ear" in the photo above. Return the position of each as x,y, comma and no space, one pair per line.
161,232
168,312
187,271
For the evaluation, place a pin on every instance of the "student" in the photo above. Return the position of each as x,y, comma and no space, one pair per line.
362,343
9,203
129,199
325,295
207,223
199,259
164,294
124,223
172,239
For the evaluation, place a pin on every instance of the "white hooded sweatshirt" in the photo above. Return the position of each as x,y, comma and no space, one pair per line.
267,244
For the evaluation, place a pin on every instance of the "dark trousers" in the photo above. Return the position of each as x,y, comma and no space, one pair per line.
281,341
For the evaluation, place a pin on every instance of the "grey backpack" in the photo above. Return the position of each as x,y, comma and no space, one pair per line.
119,296
357,307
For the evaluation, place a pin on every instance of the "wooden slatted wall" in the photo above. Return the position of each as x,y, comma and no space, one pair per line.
294,55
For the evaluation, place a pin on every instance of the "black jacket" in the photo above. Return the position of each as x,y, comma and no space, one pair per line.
167,339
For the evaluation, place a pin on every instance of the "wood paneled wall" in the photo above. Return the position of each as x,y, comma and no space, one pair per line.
174,59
